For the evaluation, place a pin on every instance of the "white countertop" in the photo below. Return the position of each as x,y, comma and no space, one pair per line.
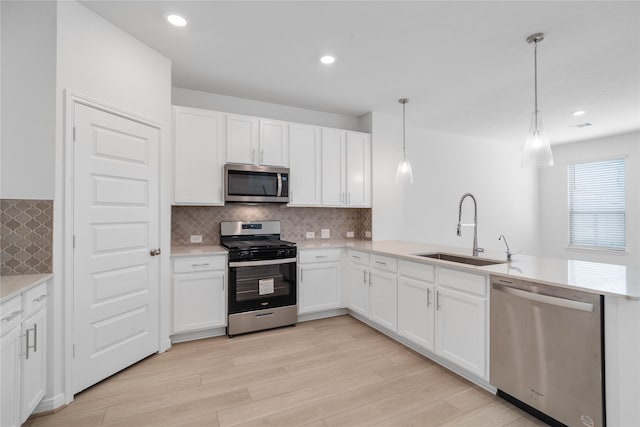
600,278
11,286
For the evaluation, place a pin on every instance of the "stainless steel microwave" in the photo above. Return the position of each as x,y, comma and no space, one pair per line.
256,184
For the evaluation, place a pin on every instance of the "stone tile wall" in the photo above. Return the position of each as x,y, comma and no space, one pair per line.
295,222
26,236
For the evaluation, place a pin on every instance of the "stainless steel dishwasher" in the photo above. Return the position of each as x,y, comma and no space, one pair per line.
547,352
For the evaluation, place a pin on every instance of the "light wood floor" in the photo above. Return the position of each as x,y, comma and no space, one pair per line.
330,372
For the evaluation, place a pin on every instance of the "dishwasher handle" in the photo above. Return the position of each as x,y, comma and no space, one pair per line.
560,302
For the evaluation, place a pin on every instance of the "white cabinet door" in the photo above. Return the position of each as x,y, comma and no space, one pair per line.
319,287
304,149
274,143
416,311
242,139
358,169
11,382
383,303
333,167
358,282
198,156
34,362
199,301
461,329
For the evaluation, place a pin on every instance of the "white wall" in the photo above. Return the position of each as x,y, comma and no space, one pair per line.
230,104
98,60
445,167
553,197
28,99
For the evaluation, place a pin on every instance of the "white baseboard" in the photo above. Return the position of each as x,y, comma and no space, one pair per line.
198,335
49,404
322,314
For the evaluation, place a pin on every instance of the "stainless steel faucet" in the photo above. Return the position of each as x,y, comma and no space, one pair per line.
509,253
476,249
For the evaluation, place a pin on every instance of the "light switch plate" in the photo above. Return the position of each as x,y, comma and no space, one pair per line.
367,234
196,238
311,234
325,233
349,234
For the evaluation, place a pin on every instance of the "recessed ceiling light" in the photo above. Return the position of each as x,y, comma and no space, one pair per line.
177,20
328,59
578,113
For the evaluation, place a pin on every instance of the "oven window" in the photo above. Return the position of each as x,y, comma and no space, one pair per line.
261,286
252,184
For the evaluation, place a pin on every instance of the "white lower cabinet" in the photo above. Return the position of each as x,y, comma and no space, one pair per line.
358,282
199,293
23,354
416,303
383,302
319,281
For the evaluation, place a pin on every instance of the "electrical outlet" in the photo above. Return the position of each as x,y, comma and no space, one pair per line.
325,233
196,238
349,234
367,234
311,235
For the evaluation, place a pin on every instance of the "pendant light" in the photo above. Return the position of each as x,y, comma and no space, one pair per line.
537,150
404,174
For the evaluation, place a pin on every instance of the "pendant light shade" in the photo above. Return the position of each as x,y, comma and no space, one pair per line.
537,149
404,173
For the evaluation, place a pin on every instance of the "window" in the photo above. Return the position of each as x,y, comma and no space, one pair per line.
596,204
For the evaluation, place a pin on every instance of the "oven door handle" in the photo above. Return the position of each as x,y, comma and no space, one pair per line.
262,262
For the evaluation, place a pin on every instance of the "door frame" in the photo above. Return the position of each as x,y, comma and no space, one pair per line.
71,99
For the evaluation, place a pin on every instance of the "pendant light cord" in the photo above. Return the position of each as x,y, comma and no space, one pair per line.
535,80
404,126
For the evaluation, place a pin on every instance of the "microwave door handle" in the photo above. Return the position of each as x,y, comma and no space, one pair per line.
279,185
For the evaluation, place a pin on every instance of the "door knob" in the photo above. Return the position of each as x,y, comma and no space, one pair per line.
154,252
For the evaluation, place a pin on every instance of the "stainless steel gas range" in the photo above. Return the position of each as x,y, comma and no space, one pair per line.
262,276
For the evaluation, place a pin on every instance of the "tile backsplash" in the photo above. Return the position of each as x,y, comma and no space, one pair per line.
26,236
295,222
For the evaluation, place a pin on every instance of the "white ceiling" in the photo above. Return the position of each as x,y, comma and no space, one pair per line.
464,65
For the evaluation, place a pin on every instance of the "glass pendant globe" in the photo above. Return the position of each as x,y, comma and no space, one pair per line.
404,174
537,149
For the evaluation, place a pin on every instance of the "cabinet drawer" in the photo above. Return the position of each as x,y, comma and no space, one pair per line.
35,299
200,263
320,255
384,263
416,270
467,282
10,312
358,257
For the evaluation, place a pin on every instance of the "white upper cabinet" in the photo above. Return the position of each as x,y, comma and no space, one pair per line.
358,169
274,143
198,154
305,173
242,139
256,141
333,167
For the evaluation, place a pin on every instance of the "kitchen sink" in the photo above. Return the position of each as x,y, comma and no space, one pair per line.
461,259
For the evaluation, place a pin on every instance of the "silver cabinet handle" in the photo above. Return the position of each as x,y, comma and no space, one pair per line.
261,156
364,276
438,300
301,275
342,197
381,263
253,155
428,297
356,257
40,298
349,198
154,252
35,340
12,316
322,256
204,264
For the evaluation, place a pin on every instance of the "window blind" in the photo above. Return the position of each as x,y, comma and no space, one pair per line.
597,204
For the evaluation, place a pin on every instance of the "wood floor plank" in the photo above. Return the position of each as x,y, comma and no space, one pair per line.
330,372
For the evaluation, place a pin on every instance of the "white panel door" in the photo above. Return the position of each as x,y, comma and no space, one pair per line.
115,279
460,329
358,282
242,139
198,156
358,169
333,167
304,149
415,311
274,143
319,287
383,298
